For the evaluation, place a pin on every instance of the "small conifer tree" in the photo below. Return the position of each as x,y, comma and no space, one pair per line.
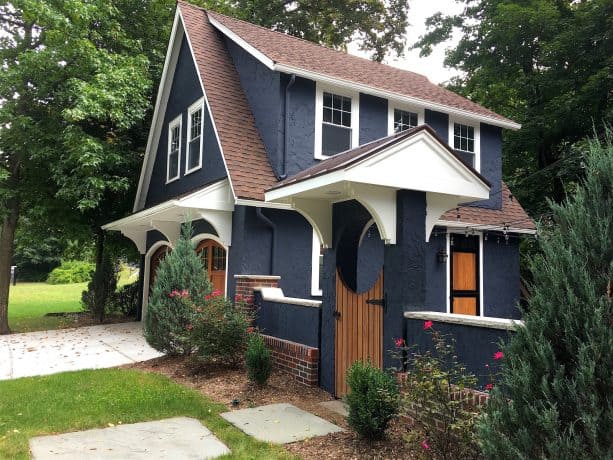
180,279
553,398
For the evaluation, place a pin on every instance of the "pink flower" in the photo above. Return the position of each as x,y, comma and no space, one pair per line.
174,293
399,343
489,386
184,293
189,327
250,329
425,445
217,293
248,300
498,355
427,325
238,298
207,297
487,365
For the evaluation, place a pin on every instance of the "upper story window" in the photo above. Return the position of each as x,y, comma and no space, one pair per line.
465,139
173,159
336,122
194,140
402,118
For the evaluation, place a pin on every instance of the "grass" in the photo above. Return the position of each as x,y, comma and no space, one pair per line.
75,401
30,302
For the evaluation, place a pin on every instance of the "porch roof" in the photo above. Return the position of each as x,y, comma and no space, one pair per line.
416,159
213,203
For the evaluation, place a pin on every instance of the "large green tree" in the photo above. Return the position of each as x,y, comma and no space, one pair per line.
547,64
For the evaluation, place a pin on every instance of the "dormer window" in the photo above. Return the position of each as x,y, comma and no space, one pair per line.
464,138
173,159
194,140
404,120
336,121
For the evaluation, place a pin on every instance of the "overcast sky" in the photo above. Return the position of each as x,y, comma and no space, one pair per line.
432,66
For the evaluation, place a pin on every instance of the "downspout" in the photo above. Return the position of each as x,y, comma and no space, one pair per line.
292,80
273,231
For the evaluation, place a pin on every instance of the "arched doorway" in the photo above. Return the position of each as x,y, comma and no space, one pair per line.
154,263
213,257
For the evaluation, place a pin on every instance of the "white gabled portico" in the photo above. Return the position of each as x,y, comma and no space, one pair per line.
415,160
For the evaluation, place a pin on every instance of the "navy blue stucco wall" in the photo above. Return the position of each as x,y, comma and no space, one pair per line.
475,346
252,241
184,92
439,122
501,277
295,323
491,164
436,272
370,259
301,126
373,118
153,236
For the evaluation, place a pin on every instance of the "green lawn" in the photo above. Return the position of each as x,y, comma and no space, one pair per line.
75,401
29,302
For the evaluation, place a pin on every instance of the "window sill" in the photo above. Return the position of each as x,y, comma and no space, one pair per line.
169,181
189,171
466,320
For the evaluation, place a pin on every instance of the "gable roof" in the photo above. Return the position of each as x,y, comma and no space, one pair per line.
290,54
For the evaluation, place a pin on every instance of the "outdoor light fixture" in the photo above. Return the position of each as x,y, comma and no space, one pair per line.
442,256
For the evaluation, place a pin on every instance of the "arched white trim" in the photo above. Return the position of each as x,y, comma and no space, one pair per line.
209,236
365,229
154,247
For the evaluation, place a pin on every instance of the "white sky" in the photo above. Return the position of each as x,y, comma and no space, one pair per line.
432,66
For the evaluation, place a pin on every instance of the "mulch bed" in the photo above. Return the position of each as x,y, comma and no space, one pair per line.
225,385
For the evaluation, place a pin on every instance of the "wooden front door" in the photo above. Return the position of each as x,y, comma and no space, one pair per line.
154,263
214,259
465,277
359,329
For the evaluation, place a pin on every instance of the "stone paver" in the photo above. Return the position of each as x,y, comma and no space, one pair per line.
279,423
179,438
93,347
337,406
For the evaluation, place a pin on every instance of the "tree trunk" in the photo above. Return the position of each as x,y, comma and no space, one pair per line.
7,238
99,297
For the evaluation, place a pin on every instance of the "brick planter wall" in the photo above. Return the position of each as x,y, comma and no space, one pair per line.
300,361
245,284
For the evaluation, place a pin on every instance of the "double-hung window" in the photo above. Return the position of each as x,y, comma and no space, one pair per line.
194,138
465,140
400,118
336,122
173,159
404,120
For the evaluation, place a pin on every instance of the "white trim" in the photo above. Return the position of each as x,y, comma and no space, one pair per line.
391,106
458,231
481,291
461,226
319,104
477,140
178,121
262,204
365,230
154,247
196,239
242,43
489,322
315,254
448,273
198,105
271,294
258,277
396,97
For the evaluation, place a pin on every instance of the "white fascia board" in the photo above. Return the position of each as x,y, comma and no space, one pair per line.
135,219
395,97
305,185
158,112
208,105
462,226
243,44
262,204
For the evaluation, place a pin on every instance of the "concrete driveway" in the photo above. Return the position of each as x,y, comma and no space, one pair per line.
93,347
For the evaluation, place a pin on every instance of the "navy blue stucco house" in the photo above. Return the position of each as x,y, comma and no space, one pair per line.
352,200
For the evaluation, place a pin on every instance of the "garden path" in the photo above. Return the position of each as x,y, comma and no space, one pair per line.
93,347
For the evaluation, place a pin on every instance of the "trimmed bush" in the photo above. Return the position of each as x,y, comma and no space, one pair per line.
258,360
125,300
373,399
71,271
181,281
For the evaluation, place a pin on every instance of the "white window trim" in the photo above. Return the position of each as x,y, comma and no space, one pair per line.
198,105
448,268
315,287
176,122
477,152
319,108
391,106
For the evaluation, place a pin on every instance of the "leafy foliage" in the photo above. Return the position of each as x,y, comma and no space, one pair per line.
372,399
434,394
258,359
72,271
101,288
125,300
169,314
557,370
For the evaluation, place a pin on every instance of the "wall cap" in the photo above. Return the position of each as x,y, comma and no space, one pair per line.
466,320
276,295
257,277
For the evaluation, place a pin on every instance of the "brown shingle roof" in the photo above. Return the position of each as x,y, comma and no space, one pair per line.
295,52
250,171
511,214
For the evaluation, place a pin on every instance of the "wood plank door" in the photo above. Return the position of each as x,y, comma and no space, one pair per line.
359,329
465,290
213,257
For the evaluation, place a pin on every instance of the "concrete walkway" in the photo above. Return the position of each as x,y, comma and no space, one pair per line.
93,347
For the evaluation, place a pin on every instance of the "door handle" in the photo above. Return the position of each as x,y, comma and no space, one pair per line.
337,314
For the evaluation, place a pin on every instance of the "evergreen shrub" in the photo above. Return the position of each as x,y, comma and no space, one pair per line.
258,359
71,271
373,399
125,300
101,288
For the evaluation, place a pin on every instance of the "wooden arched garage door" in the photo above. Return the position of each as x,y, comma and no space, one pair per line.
154,262
213,256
